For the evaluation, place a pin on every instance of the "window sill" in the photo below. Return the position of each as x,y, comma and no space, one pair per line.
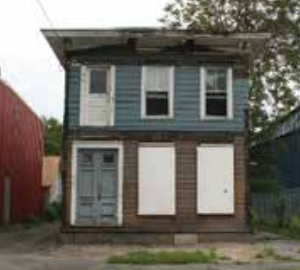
213,118
157,117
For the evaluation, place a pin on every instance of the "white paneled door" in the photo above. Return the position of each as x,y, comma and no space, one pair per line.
215,179
97,96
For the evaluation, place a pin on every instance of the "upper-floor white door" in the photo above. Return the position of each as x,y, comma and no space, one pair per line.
97,96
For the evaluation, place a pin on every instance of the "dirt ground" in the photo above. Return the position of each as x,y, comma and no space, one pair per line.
39,247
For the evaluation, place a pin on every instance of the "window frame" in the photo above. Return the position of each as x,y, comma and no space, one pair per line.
229,94
170,114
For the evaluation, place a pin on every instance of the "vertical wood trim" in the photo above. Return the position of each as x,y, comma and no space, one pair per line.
112,95
202,101
230,106
171,91
83,89
143,93
73,185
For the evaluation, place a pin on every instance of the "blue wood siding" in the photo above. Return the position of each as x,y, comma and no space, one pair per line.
186,102
73,101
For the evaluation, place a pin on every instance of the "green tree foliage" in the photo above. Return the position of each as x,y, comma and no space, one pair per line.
275,73
52,136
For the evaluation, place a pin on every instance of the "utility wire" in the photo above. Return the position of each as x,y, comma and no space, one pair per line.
43,9
47,17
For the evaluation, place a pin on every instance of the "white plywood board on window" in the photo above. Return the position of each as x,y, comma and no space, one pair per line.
215,179
156,185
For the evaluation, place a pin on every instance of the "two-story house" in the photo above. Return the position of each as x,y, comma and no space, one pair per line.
154,133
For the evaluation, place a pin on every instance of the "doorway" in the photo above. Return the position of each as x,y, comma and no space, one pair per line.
97,187
7,200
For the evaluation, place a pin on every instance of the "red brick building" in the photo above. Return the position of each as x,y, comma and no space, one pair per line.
21,152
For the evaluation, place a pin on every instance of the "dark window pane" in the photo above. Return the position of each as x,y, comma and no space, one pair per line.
87,157
108,158
216,106
157,104
98,81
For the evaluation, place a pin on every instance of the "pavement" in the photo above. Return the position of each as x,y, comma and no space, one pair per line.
37,248
38,262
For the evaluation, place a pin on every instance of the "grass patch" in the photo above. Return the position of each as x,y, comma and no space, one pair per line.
166,257
271,254
281,231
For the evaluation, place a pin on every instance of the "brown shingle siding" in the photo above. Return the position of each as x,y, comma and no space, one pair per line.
186,218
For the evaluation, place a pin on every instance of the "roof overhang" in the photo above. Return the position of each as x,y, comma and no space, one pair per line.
68,40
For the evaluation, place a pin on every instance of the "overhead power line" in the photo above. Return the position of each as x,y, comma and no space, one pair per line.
44,11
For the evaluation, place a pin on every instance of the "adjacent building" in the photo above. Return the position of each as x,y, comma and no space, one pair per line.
285,148
154,133
51,180
21,152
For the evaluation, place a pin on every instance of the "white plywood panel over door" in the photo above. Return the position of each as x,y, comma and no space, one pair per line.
156,192
215,179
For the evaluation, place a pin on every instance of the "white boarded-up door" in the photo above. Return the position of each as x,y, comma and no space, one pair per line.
156,190
215,179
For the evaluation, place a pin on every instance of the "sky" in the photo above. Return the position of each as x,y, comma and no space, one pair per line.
27,62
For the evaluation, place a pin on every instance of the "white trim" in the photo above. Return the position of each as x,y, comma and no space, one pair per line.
172,88
229,80
202,92
97,145
229,93
170,94
143,92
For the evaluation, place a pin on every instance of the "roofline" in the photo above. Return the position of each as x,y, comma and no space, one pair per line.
17,96
62,40
145,31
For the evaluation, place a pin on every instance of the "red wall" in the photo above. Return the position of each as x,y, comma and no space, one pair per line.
21,152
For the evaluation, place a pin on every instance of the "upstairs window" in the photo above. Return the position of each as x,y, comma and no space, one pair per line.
157,92
98,81
216,90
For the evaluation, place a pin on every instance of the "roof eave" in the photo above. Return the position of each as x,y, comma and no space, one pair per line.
62,40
